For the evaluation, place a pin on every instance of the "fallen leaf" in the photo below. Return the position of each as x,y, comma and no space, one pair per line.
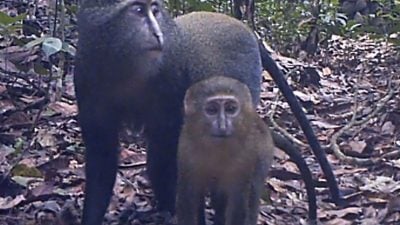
9,202
324,125
340,213
64,108
388,128
382,184
338,221
358,146
326,71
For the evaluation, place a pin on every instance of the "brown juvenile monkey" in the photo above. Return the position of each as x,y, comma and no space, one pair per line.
224,148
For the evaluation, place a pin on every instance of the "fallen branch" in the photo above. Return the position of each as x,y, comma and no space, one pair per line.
280,129
354,160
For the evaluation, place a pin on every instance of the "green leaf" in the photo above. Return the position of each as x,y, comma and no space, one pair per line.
14,28
7,20
355,26
69,49
24,181
39,69
35,42
51,46
205,6
72,8
25,171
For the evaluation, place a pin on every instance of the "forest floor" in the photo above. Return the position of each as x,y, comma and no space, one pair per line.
349,90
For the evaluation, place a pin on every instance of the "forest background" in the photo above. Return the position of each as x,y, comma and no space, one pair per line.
340,57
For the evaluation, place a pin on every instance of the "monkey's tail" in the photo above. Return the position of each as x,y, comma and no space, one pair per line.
272,68
296,157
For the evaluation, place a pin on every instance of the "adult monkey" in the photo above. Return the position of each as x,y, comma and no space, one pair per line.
116,81
131,68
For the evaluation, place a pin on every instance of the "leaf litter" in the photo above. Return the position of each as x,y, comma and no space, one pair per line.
41,157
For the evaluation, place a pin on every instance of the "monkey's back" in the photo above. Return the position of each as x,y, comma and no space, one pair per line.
216,44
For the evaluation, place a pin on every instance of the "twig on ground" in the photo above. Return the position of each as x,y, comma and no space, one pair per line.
353,122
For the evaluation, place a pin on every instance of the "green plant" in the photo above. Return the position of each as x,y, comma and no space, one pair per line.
9,25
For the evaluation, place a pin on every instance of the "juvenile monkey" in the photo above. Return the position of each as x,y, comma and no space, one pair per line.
224,148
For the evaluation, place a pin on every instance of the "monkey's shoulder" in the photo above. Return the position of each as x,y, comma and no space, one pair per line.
260,126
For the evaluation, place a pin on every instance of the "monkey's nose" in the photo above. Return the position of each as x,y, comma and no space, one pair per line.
159,37
155,28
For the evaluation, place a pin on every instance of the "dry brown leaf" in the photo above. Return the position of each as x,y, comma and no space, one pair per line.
324,125
340,213
388,128
9,202
338,221
46,138
64,108
358,146
382,184
326,71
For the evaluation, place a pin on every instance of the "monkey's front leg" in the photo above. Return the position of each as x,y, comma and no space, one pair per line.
190,198
255,189
237,207
100,134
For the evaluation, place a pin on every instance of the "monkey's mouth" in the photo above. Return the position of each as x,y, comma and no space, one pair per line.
220,134
153,52
157,48
153,47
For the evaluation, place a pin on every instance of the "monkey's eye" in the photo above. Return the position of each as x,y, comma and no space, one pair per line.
211,109
139,9
231,107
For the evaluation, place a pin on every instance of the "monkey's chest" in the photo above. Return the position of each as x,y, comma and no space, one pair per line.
131,95
224,163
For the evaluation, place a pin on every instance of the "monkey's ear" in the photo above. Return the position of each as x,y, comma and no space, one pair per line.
188,103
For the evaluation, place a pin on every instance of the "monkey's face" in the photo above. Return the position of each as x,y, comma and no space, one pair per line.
220,112
140,27
218,106
148,13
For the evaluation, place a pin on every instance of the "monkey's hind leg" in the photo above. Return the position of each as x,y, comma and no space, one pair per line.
161,168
